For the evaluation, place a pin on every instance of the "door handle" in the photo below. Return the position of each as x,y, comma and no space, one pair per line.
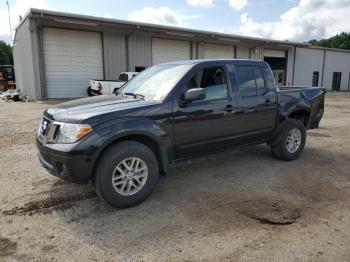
229,108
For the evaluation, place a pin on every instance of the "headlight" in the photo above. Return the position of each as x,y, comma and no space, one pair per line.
70,133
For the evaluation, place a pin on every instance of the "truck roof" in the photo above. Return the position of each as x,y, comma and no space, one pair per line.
202,61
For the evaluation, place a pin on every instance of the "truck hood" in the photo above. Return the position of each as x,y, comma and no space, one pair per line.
80,110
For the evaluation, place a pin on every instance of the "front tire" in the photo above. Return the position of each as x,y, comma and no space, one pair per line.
291,141
126,174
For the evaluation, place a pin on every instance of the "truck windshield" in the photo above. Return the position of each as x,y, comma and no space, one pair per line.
156,82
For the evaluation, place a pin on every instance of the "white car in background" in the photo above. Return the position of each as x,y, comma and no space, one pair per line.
108,87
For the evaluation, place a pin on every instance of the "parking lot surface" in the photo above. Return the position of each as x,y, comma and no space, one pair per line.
222,207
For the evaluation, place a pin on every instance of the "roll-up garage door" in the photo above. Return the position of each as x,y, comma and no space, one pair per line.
214,51
72,58
165,50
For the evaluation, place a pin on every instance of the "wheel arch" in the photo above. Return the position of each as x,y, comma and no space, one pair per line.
302,115
147,139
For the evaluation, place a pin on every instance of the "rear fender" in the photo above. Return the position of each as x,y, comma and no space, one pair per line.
285,115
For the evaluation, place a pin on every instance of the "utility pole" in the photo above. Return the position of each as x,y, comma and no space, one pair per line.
8,9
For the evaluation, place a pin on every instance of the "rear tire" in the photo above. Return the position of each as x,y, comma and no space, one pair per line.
124,162
290,142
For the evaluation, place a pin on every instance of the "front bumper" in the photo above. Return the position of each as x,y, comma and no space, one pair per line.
66,161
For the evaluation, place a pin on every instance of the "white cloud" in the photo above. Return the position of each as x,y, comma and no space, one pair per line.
107,15
310,19
201,3
20,7
238,4
161,15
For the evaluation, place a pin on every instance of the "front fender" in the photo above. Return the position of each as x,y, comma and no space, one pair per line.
115,130
132,126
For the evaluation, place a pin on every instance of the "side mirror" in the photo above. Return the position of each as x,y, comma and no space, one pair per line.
194,94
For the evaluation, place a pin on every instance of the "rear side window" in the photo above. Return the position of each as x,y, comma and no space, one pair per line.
251,80
246,80
260,81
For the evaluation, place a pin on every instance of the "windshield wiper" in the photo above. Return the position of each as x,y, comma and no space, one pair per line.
134,95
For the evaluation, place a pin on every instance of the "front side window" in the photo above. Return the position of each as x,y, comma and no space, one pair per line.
213,80
156,82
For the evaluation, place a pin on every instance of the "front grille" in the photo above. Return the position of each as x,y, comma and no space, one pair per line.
48,130
44,126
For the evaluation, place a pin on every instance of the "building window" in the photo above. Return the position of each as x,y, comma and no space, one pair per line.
315,77
336,81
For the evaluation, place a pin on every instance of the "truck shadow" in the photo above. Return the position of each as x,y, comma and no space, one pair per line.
212,195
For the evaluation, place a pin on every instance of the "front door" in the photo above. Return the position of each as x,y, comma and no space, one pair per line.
205,125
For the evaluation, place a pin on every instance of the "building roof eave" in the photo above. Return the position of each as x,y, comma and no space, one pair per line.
149,26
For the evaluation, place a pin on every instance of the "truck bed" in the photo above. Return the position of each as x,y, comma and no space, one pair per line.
309,100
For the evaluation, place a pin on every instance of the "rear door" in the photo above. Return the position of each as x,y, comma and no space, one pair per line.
257,102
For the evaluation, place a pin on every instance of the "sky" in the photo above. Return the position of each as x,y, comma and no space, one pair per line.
293,20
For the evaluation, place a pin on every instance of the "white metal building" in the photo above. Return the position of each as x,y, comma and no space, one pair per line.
56,54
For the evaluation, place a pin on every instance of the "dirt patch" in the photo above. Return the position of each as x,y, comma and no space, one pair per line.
314,134
201,212
273,212
7,247
337,106
16,138
48,205
48,248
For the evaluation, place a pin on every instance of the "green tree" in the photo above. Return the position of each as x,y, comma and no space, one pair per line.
341,41
6,56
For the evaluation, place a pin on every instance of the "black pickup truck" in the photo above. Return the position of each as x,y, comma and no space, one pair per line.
171,112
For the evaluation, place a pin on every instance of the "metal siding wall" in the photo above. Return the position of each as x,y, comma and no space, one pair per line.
140,50
290,63
260,54
200,50
337,62
114,52
242,51
193,50
306,62
23,60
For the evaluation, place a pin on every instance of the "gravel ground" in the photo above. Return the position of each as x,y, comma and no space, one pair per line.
210,209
